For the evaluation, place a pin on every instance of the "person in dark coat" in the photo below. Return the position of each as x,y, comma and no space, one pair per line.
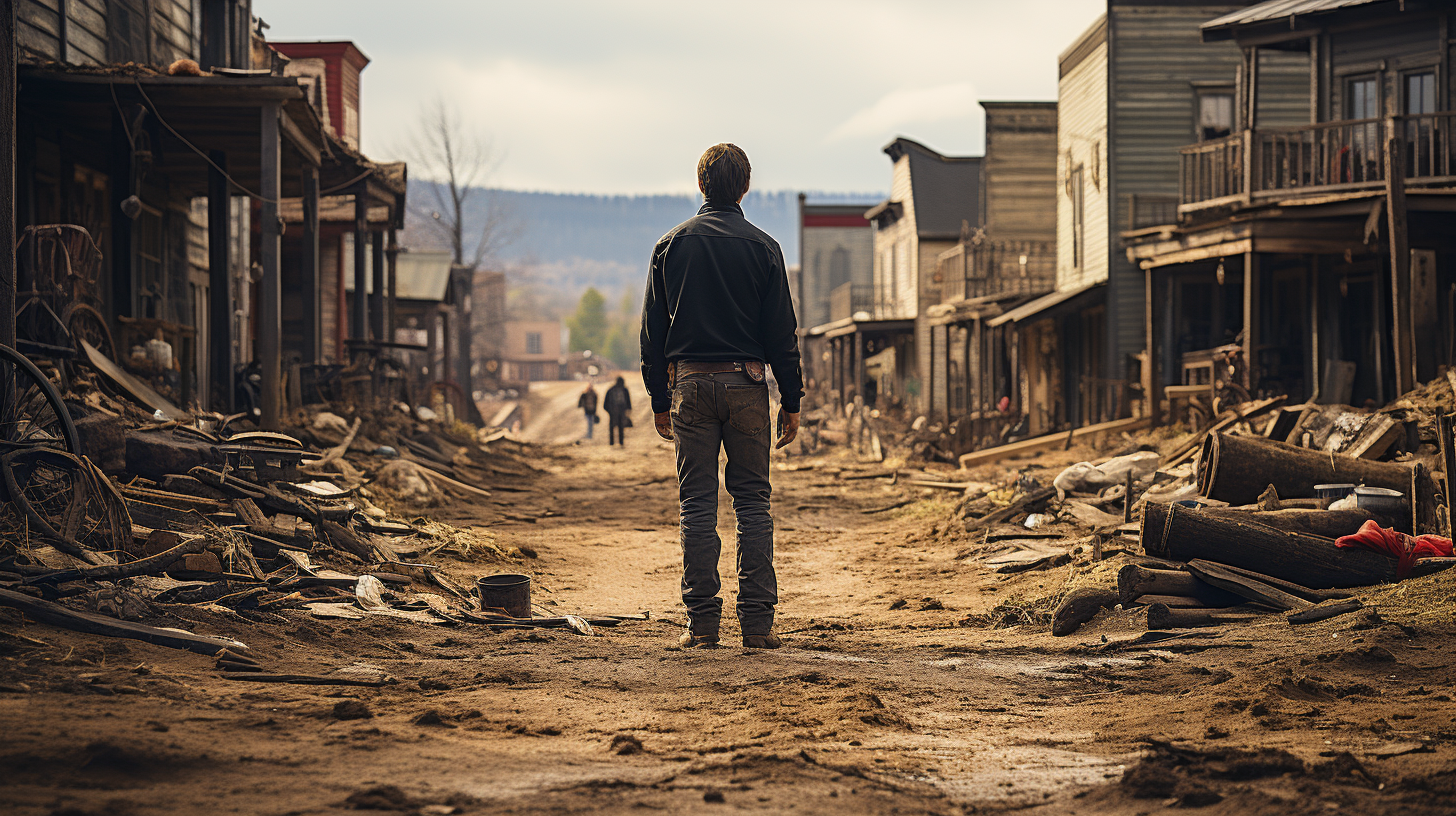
619,409
717,312
587,402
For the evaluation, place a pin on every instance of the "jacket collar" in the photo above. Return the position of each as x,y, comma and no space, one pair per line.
716,207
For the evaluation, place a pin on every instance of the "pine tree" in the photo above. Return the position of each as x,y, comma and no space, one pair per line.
589,324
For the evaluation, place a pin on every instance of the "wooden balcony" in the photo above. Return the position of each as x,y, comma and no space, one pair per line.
1329,157
973,270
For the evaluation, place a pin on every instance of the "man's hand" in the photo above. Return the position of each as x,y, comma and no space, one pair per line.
788,427
663,421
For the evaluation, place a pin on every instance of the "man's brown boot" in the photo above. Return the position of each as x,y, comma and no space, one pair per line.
690,640
765,641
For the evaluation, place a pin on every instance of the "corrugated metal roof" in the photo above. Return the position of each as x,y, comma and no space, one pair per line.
1281,9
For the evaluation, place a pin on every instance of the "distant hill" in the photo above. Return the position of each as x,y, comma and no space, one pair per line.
567,242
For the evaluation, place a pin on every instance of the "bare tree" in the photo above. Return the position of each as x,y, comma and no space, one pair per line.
456,163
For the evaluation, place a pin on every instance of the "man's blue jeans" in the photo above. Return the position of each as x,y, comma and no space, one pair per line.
591,422
727,411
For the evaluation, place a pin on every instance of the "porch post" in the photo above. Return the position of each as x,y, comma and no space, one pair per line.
1251,317
219,286
1402,330
270,324
1152,381
359,325
7,176
312,338
391,270
376,300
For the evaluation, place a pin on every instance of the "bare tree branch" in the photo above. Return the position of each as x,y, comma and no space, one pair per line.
456,163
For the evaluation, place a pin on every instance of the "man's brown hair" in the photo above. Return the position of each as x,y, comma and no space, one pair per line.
723,173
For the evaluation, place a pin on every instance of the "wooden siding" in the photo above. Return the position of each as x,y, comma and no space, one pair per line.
1157,55
1020,172
1082,140
39,30
1283,97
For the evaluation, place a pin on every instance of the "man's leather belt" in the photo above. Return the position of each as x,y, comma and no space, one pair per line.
683,368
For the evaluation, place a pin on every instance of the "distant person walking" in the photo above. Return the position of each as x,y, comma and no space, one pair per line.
717,309
587,402
618,404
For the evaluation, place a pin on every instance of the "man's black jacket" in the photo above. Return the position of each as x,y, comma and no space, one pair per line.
717,291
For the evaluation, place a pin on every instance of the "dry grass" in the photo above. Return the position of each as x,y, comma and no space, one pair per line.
464,543
1430,600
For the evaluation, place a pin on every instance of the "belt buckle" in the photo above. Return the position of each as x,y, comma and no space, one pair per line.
754,370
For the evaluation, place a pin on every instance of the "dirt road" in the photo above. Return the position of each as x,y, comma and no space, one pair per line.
894,695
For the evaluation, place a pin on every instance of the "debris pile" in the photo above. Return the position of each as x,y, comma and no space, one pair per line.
129,511
1306,511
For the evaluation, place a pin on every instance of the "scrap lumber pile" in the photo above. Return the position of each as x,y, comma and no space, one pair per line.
140,513
1297,510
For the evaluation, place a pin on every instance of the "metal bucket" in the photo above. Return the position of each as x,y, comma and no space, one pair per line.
509,591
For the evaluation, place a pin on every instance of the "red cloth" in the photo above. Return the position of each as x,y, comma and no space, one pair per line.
1397,545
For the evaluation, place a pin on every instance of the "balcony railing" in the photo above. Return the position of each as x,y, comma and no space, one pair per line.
848,298
972,270
1331,156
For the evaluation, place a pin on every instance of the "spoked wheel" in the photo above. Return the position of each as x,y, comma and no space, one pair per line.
31,411
67,500
84,322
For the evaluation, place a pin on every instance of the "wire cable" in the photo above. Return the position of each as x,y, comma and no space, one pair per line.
194,148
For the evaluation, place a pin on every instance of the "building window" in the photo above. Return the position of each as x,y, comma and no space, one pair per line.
1362,97
533,345
1420,92
1215,113
1078,192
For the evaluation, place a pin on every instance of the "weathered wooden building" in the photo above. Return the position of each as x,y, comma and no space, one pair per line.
185,180
1007,260
1323,250
1131,90
879,338
836,257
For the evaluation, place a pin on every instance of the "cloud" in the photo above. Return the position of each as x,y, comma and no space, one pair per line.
904,107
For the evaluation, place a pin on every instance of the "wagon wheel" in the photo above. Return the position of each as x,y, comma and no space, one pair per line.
67,500
31,411
84,322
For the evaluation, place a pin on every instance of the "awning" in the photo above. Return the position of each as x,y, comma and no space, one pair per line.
1276,10
1063,301
847,326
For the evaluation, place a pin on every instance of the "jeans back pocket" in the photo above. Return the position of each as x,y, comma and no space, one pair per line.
748,408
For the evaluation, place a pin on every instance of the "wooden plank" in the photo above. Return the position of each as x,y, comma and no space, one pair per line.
1041,443
1377,438
270,309
93,624
42,18
1244,586
1398,239
134,388
29,38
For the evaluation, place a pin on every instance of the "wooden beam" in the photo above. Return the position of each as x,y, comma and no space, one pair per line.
309,267
1041,443
7,174
1251,318
270,311
219,286
299,140
359,325
1152,382
391,273
1398,239
376,298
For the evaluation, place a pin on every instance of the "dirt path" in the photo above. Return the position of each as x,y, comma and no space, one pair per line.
893,696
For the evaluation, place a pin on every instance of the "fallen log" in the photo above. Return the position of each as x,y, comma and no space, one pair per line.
1325,611
1160,616
93,624
142,566
1322,523
1180,534
1134,581
1041,443
1237,469
1181,602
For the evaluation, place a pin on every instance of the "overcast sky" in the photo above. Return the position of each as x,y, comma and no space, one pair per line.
622,96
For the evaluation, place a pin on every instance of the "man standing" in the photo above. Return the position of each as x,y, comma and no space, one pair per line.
619,408
717,309
587,402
